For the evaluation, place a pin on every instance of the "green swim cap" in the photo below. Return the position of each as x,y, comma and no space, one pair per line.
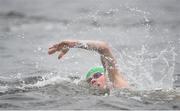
94,70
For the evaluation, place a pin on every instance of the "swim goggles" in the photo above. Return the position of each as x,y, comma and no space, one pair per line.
95,76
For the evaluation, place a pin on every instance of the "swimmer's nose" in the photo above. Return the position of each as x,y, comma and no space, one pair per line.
93,81
98,84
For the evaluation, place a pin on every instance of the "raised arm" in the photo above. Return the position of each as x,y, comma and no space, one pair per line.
107,58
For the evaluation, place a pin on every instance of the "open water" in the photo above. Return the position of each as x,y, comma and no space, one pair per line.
144,35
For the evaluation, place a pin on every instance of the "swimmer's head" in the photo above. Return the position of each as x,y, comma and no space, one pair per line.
95,77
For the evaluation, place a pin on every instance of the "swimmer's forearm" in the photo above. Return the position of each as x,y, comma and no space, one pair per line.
99,46
107,58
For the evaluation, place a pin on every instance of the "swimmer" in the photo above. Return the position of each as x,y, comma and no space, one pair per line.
96,75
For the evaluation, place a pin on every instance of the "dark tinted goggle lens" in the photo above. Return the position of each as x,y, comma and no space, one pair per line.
97,75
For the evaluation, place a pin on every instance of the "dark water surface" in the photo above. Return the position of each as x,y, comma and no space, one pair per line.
144,35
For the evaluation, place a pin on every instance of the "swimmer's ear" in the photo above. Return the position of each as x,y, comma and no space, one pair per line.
63,52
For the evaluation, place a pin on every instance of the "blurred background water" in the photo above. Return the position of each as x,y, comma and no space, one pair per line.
144,35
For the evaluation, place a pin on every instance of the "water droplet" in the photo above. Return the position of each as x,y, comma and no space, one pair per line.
39,48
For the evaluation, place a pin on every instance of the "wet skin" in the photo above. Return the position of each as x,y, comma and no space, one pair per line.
99,82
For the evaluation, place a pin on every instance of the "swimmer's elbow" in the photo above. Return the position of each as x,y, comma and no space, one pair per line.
104,44
104,47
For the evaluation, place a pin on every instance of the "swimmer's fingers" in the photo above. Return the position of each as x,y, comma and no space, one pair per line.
54,48
58,47
51,47
52,51
63,52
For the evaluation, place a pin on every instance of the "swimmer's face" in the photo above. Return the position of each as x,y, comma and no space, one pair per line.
97,80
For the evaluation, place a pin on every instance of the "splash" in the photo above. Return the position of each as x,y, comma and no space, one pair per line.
147,69
20,84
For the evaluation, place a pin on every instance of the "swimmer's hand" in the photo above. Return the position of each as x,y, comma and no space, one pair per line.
62,47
